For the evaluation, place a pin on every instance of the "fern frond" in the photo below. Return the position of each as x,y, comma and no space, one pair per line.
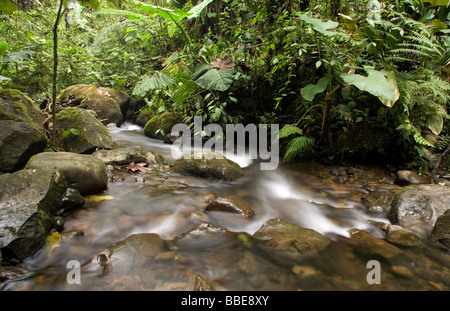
298,146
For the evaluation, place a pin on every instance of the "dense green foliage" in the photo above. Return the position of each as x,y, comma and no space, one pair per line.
343,79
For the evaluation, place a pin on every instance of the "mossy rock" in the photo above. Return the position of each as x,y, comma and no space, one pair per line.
208,164
21,130
91,133
29,201
163,122
110,105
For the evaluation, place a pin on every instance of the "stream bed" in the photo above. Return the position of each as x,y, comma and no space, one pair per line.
149,231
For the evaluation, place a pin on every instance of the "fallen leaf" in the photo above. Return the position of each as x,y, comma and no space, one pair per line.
223,63
141,167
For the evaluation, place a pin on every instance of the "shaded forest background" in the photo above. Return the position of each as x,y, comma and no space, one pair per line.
345,80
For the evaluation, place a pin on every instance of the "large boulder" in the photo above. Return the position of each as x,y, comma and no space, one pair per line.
21,130
29,201
90,133
83,172
419,206
110,105
208,164
441,230
162,124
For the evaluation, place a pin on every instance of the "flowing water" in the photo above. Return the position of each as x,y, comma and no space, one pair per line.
165,203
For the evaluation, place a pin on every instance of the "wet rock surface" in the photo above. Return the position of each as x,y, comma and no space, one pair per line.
441,230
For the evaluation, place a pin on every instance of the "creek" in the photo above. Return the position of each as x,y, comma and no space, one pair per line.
165,203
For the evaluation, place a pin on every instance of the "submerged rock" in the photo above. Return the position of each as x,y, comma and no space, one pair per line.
29,201
123,156
231,204
419,205
21,130
368,244
401,236
109,104
208,164
162,122
83,172
441,230
90,132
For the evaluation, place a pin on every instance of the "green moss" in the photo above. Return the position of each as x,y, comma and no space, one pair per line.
164,122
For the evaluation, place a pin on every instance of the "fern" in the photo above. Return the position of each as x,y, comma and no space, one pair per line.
301,145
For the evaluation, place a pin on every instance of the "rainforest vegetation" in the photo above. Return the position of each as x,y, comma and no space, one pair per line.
345,80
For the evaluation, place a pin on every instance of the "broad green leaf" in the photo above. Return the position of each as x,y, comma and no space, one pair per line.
157,81
378,83
319,25
311,90
196,10
436,2
165,13
289,130
436,124
17,56
216,79
3,48
7,7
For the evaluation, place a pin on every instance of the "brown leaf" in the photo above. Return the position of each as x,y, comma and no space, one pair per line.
223,63
142,167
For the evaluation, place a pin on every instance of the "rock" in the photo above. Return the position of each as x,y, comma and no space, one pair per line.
368,244
208,164
29,201
110,105
83,172
441,230
71,201
127,155
401,236
406,178
378,200
163,122
199,283
143,117
21,130
92,134
232,205
287,243
419,205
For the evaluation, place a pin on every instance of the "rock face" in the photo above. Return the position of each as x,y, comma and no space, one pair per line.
441,230
123,156
83,172
163,122
110,105
419,205
21,130
208,164
232,205
92,134
29,200
406,177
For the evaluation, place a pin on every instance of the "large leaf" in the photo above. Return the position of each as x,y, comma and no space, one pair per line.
165,13
7,7
289,130
3,48
17,56
196,10
436,2
378,83
311,90
319,25
215,79
157,81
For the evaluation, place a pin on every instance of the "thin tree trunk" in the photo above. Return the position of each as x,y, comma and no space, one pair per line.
55,72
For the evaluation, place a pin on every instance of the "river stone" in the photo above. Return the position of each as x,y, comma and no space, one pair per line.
83,172
29,200
21,130
419,205
378,200
231,204
208,164
407,177
123,156
163,122
441,230
71,201
110,105
92,134
287,242
401,236
368,244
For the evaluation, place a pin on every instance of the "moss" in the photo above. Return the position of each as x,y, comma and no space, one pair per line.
164,122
